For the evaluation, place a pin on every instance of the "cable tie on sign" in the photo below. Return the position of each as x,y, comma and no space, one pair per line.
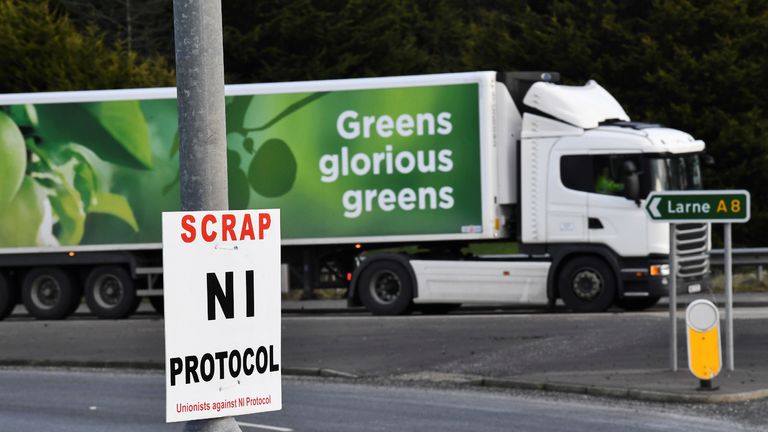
223,247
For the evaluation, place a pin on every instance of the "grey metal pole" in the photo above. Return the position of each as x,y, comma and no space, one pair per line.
223,424
200,92
672,297
728,297
202,124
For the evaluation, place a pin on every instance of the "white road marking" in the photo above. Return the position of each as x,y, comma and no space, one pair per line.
267,427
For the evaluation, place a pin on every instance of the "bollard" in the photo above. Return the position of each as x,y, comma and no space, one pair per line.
703,336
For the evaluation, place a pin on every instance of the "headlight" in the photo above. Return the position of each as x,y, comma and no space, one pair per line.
659,270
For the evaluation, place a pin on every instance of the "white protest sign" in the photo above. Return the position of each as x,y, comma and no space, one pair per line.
221,273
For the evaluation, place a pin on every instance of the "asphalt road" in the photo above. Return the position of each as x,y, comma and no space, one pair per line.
503,344
395,349
500,344
86,401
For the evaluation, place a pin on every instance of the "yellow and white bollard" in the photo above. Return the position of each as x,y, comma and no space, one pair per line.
703,334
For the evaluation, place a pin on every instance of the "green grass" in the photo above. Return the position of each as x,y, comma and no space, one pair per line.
742,282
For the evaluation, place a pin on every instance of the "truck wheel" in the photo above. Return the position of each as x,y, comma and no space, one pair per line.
386,288
48,293
587,284
637,303
110,292
7,297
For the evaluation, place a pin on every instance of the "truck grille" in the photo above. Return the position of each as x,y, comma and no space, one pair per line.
692,253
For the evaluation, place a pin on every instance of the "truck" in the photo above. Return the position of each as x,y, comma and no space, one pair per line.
387,186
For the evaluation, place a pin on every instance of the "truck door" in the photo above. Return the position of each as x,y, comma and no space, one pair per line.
567,199
614,220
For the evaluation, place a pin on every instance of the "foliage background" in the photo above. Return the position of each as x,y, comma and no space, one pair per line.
696,65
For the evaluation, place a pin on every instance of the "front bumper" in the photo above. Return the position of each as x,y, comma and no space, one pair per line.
637,281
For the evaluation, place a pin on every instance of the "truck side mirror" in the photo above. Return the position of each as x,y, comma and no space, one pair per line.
631,179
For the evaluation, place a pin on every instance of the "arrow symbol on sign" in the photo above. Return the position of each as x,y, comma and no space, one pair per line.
653,207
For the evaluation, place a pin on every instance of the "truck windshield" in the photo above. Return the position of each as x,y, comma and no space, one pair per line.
679,172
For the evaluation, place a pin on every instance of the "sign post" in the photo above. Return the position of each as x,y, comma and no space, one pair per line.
672,298
221,272
202,128
716,206
728,263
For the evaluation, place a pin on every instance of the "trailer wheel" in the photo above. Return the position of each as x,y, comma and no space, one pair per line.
637,303
386,288
110,292
587,284
7,297
48,293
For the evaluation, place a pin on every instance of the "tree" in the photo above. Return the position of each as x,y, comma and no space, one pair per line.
304,39
144,26
42,51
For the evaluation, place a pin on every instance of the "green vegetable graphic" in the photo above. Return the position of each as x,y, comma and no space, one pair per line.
262,175
25,116
21,222
239,193
49,156
13,160
102,172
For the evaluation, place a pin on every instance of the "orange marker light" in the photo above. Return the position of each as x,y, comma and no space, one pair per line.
71,254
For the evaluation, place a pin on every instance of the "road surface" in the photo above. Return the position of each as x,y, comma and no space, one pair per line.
85,401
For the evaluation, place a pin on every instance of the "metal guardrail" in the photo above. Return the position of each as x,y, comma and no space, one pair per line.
744,256
757,257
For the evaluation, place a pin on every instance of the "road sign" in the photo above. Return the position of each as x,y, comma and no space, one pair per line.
722,206
221,273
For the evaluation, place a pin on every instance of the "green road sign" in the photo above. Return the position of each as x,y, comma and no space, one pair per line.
699,206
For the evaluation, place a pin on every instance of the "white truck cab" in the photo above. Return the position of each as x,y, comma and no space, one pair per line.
574,172
586,170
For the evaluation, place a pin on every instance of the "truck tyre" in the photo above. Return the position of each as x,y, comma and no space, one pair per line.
7,297
386,288
587,284
110,292
637,303
48,293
